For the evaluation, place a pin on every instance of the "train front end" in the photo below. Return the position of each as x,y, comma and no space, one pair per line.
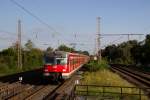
55,64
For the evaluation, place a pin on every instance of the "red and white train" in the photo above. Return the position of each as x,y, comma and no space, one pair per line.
61,65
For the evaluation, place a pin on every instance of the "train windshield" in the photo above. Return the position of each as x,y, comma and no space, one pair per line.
50,60
55,61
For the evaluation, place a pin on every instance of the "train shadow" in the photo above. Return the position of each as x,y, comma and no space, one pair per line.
34,77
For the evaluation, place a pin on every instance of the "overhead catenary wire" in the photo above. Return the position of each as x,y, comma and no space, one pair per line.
120,37
34,16
6,38
119,34
3,31
12,33
37,18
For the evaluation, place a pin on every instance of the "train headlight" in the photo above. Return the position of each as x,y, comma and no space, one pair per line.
64,70
46,70
54,66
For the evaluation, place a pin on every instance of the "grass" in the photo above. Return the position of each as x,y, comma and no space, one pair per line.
104,77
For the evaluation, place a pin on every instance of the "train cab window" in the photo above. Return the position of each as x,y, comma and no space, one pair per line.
60,61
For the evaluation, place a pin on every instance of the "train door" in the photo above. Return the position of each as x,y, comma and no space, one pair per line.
68,63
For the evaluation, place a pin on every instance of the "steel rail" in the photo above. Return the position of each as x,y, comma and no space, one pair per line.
141,82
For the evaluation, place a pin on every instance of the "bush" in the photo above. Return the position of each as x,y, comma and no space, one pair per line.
3,68
96,65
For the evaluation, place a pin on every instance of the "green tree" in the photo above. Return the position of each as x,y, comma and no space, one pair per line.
65,48
85,53
29,45
146,51
121,53
9,57
32,58
49,49
112,53
136,53
126,51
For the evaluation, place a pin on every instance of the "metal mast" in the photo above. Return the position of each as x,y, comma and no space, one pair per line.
19,45
98,49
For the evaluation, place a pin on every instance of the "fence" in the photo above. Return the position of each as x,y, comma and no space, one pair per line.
117,92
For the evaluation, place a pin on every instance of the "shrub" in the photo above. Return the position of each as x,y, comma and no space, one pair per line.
96,65
3,68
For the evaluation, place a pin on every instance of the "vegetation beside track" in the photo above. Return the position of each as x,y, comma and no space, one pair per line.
99,74
32,58
130,52
94,65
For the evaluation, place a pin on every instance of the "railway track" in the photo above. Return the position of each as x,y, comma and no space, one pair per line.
36,90
142,80
138,73
7,90
34,93
24,90
16,91
20,91
63,91
31,87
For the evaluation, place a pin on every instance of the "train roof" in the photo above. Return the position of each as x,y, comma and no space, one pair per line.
56,54
60,54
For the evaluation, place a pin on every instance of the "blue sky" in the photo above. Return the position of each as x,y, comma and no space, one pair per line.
70,17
